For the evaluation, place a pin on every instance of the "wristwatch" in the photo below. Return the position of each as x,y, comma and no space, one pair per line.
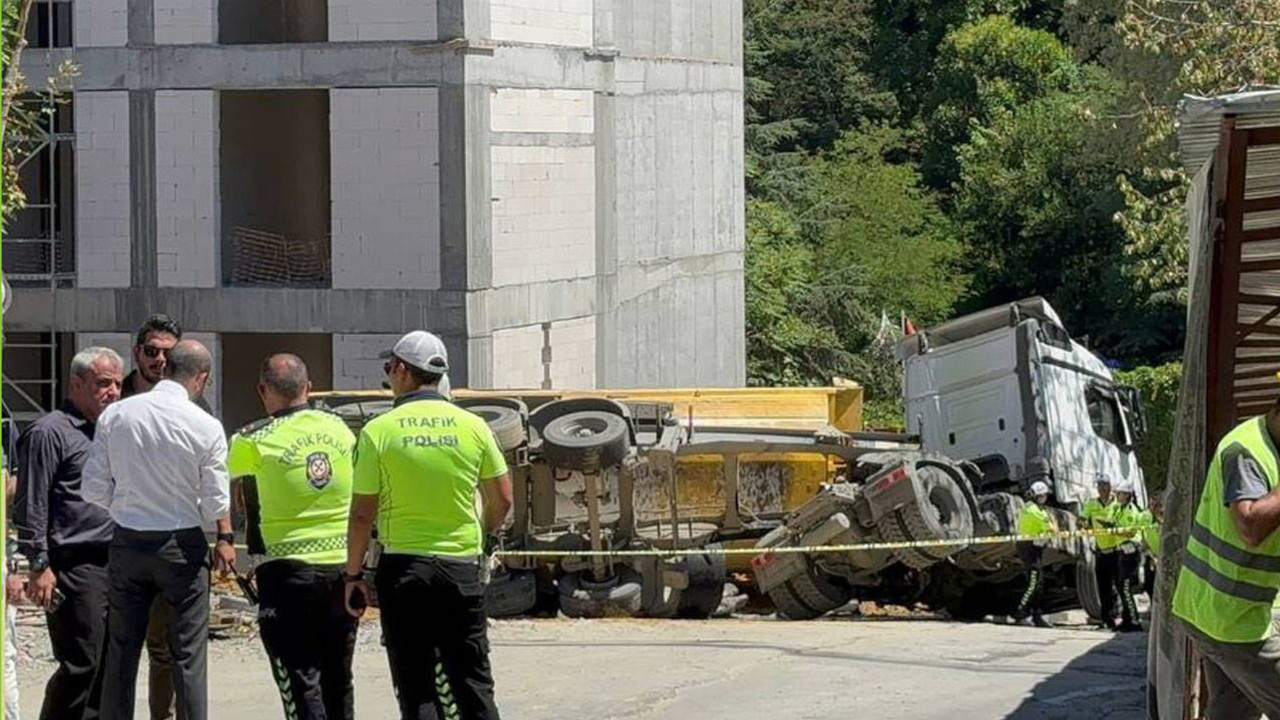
39,563
228,538
349,577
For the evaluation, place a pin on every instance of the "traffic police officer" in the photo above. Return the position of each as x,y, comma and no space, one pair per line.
1034,520
1128,520
295,472
418,469
1099,515
1230,573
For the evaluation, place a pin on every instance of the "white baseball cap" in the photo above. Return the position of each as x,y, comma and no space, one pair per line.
422,350
1038,487
1124,486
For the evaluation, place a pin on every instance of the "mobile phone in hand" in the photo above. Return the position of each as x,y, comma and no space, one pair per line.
55,599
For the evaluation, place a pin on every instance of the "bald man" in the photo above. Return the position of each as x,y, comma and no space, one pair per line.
158,464
294,468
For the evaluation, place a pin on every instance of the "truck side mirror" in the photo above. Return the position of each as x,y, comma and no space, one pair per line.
1131,400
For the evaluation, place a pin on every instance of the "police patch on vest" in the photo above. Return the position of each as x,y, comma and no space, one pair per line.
319,471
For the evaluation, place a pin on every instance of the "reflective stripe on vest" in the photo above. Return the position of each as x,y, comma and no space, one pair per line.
1225,587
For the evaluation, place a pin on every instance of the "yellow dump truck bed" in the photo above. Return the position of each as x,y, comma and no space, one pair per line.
798,408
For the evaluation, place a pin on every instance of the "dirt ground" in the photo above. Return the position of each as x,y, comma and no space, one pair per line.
744,667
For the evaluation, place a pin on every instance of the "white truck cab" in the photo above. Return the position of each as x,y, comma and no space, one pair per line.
1010,390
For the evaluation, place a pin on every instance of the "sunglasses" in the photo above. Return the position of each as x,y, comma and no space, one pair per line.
154,352
388,365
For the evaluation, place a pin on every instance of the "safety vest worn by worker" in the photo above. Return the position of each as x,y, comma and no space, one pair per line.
1035,520
297,472
1226,588
1129,517
1100,517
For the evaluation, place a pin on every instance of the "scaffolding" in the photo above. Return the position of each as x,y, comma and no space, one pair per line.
39,256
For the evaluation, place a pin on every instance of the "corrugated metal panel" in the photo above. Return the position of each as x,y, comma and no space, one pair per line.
1199,118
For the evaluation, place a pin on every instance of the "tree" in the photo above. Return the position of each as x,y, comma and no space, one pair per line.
1213,46
1036,201
805,60
984,69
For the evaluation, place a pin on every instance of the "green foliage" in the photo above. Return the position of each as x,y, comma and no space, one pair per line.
983,71
884,415
1159,387
860,239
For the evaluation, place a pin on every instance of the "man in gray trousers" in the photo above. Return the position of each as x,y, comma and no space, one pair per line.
158,464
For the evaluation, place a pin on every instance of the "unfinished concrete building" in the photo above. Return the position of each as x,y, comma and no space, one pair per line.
554,186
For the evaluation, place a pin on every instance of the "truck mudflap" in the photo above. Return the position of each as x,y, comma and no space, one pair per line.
773,569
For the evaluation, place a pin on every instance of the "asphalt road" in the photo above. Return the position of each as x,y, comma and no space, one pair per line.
739,668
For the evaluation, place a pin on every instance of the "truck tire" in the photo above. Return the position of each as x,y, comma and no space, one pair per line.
619,596
587,441
808,595
941,512
707,576
1087,584
506,424
510,593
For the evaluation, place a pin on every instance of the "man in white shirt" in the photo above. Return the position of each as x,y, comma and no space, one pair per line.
158,464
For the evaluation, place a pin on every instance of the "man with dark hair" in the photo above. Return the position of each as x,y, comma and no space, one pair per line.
151,346
65,538
155,338
158,464
418,469
295,471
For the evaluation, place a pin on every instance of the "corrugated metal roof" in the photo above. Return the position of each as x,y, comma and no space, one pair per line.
1258,313
1199,117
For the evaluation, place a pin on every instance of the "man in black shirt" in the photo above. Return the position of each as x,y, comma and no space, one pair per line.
150,352
65,538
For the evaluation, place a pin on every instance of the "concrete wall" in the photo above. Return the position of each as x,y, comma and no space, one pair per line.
351,20
102,188
242,356
551,22
543,214
385,181
100,23
120,342
187,227
573,353
701,29
356,365
185,22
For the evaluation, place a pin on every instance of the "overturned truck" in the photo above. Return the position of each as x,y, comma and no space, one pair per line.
995,401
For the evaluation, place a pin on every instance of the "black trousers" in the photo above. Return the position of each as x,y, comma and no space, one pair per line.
435,629
309,637
174,565
1031,601
76,630
1107,566
1127,574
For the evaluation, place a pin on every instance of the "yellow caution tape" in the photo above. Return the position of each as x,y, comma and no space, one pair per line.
808,549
